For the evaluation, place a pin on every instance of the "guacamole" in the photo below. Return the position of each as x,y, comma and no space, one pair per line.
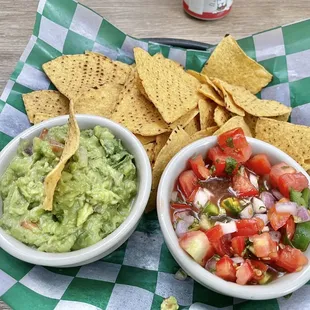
92,198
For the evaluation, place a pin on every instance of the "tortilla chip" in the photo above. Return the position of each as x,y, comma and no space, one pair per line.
251,122
146,140
99,101
229,63
149,148
206,113
229,101
160,143
208,89
71,146
185,119
176,141
75,74
234,122
40,117
282,118
204,133
221,116
169,87
136,113
49,102
291,139
193,126
254,106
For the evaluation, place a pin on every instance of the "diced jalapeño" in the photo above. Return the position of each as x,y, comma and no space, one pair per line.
231,205
211,209
266,279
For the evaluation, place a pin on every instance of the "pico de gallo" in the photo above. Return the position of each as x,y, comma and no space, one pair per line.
240,217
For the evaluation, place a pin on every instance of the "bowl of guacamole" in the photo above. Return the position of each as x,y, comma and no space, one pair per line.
101,195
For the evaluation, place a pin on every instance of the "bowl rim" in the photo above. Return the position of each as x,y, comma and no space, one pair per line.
198,273
118,236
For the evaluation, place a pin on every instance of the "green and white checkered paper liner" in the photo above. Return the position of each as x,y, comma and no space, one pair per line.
140,273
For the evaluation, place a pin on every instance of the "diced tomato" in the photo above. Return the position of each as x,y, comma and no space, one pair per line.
290,228
43,134
57,147
248,227
291,259
238,245
188,182
259,164
243,186
191,198
278,170
295,181
232,139
259,269
234,144
215,153
28,225
220,242
244,273
222,246
198,166
225,269
197,245
263,245
214,233
179,206
277,220
219,168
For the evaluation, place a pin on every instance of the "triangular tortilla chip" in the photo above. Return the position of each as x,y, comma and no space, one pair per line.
208,89
221,116
177,140
254,106
48,102
75,74
229,101
169,87
40,117
204,133
146,139
291,139
229,63
149,148
71,146
234,122
136,113
206,113
160,142
185,119
193,126
99,101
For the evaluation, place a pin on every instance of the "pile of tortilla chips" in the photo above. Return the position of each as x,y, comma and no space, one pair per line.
167,107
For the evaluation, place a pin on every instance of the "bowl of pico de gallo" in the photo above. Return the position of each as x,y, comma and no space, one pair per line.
234,212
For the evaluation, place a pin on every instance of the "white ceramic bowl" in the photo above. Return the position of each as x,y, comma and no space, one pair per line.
277,288
116,238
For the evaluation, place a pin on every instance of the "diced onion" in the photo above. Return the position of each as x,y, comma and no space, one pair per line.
201,198
265,229
253,180
180,275
228,228
263,217
237,260
303,214
268,199
174,196
258,205
275,236
277,194
247,212
287,207
211,264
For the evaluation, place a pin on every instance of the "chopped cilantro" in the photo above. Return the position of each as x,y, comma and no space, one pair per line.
212,169
231,165
230,142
